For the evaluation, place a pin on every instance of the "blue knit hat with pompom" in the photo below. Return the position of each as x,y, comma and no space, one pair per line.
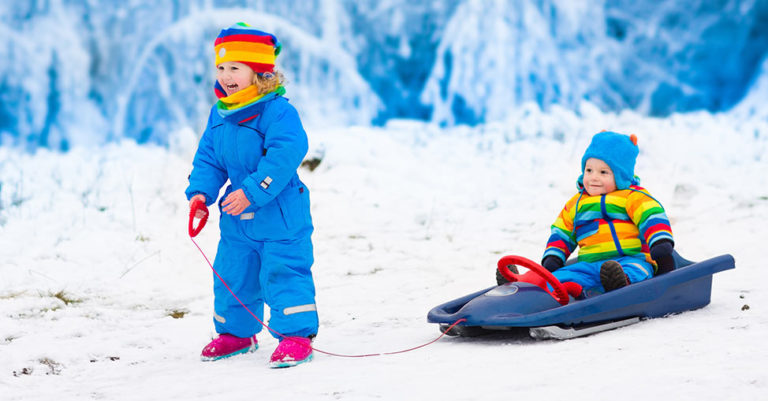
619,152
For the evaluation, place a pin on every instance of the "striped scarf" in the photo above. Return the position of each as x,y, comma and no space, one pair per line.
228,105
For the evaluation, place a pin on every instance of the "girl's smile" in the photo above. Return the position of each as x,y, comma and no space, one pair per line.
234,76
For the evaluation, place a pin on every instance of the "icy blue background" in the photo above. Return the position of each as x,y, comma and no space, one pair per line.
89,72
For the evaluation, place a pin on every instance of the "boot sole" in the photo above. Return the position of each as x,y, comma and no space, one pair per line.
288,364
252,348
613,279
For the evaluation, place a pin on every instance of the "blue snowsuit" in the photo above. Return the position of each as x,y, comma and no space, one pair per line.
265,253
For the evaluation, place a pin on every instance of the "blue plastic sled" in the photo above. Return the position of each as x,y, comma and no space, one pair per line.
517,305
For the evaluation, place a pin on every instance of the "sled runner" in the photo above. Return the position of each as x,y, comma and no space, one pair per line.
528,304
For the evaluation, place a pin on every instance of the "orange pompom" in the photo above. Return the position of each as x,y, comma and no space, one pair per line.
633,138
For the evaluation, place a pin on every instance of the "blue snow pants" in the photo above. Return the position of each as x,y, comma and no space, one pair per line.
587,274
273,272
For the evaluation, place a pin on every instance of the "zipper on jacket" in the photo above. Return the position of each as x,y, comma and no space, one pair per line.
608,220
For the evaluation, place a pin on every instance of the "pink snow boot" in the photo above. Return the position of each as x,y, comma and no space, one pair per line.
291,351
226,345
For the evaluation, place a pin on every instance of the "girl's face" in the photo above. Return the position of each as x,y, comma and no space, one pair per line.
598,177
234,76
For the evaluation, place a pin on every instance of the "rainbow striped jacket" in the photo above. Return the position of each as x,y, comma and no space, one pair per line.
620,223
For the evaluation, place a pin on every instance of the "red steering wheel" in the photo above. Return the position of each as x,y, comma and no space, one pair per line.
560,293
197,204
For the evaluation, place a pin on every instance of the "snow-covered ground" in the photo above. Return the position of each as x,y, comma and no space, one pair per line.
95,263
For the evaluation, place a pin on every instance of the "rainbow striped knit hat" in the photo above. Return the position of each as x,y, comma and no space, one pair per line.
247,45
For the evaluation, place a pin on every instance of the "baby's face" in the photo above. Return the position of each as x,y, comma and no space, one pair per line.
598,177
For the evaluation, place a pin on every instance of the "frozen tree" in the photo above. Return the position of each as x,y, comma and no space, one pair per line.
82,72
672,56
496,54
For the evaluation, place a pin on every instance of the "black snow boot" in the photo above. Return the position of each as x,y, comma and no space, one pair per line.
612,276
501,279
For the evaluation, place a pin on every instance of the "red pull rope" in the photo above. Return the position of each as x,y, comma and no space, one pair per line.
313,348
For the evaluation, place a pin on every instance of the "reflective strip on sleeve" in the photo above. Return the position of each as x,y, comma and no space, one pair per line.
265,184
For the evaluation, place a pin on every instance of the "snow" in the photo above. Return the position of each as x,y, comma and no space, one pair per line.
407,216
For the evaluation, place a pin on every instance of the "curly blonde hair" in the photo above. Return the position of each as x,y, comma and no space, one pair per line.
268,82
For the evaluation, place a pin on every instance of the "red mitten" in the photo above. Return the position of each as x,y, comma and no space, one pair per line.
574,289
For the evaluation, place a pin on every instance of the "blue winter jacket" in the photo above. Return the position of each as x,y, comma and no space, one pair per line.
259,150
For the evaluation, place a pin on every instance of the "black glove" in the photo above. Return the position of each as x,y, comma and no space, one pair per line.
661,252
552,263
